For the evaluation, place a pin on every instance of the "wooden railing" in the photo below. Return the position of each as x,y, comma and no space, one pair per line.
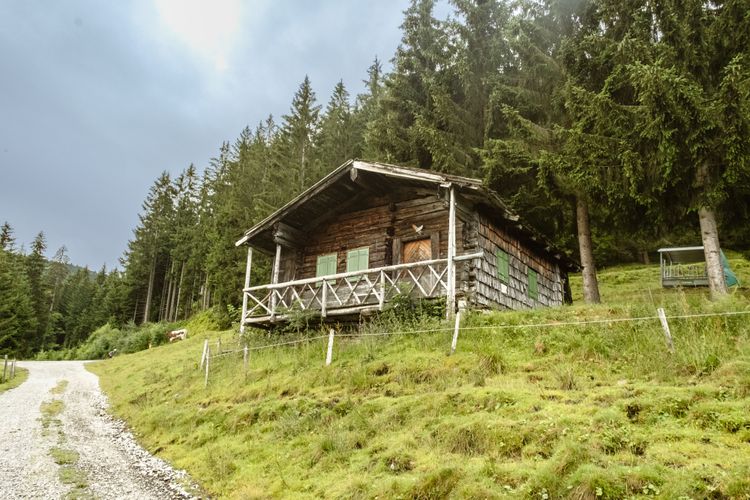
351,292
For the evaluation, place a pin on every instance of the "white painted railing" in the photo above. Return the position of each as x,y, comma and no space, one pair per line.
350,292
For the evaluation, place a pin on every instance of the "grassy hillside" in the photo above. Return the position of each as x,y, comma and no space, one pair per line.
597,410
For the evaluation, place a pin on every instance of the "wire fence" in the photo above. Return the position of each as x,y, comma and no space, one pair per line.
240,346
9,370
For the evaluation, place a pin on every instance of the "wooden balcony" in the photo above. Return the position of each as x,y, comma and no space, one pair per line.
348,294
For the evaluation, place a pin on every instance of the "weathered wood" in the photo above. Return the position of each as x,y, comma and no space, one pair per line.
5,368
451,293
245,359
204,353
454,342
208,361
329,351
665,327
248,269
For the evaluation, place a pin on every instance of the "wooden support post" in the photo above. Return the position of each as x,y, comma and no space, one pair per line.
329,353
455,332
324,299
665,326
245,357
208,361
5,368
13,370
450,302
248,268
218,346
381,299
205,351
275,278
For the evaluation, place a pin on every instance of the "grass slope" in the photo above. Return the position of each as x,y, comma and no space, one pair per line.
21,375
570,411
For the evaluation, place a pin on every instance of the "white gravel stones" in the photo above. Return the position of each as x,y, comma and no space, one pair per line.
115,465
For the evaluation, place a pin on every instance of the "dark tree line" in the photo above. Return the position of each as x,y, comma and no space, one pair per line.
611,126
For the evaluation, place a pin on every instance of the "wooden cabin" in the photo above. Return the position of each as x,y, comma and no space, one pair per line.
369,232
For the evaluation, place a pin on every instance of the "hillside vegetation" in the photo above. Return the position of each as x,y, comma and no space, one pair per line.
597,410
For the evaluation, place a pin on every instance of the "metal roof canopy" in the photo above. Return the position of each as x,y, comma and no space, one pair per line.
339,191
683,255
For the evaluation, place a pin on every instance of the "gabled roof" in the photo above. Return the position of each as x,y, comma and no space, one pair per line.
341,187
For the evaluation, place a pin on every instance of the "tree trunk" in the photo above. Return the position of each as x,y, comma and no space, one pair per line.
710,235
586,249
150,292
179,292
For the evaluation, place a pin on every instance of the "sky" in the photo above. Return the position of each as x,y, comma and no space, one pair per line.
98,98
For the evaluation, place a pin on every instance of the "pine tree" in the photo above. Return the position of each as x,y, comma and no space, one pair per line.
6,237
298,132
36,266
338,140
17,318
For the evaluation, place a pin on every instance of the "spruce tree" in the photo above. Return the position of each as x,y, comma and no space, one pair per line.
17,318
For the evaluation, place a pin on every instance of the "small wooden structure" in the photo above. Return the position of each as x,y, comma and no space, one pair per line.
369,232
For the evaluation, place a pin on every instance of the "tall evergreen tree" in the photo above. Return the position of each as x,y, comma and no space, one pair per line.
338,140
17,318
36,266
298,132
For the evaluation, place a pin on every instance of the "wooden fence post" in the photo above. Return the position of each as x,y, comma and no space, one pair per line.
218,346
205,350
245,355
208,360
665,326
13,370
329,353
455,332
5,368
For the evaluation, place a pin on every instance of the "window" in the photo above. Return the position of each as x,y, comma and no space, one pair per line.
501,262
358,259
533,287
326,266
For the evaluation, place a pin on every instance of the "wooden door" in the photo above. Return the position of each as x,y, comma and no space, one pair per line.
417,250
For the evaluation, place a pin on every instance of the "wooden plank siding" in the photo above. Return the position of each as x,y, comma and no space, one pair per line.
486,289
382,226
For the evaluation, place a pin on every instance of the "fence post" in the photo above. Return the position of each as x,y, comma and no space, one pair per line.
205,349
665,326
13,370
218,346
455,332
208,360
329,353
5,368
245,354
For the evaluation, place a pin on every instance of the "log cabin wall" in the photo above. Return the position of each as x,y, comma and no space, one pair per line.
486,288
382,224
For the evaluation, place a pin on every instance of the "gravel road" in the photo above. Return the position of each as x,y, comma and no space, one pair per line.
76,448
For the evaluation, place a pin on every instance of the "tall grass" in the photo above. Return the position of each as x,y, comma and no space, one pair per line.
566,410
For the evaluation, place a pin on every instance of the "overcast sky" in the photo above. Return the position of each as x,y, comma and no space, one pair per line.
97,98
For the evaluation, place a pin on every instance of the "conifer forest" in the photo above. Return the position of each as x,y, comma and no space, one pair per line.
613,127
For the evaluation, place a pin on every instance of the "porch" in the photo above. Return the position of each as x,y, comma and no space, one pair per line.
352,293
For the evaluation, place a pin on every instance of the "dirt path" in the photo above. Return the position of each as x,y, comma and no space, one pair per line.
56,440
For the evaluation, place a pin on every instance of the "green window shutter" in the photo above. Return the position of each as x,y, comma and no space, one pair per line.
501,262
533,288
358,259
326,265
